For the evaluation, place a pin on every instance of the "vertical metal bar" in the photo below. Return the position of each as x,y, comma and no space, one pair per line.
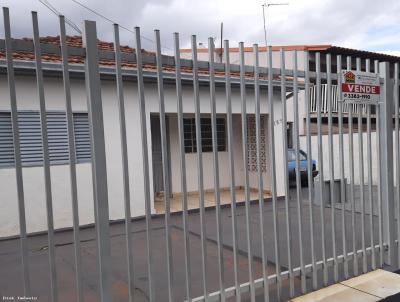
99,168
72,161
310,178
378,150
17,153
260,170
163,126
361,176
125,167
46,157
351,161
286,174
217,196
370,175
273,171
200,166
343,183
182,163
321,166
387,184
231,168
145,160
246,172
331,163
397,154
298,176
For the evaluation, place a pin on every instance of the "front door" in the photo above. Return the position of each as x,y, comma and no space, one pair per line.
158,181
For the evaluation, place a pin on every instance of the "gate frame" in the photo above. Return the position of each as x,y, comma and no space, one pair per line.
385,140
99,167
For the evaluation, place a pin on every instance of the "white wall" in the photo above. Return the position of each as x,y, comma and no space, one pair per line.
325,152
280,135
302,113
33,176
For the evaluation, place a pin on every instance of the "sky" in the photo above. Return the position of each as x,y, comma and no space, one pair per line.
371,25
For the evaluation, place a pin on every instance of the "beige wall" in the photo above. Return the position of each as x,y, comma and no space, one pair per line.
234,58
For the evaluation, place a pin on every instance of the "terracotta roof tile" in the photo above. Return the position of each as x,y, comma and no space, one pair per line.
76,41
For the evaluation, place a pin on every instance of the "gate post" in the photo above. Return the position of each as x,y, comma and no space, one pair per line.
99,168
386,162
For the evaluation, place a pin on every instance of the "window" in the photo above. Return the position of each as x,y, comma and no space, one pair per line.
189,125
31,138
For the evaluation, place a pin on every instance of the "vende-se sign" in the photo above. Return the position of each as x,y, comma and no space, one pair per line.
360,87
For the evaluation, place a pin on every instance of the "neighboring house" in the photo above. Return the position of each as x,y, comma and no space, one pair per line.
334,51
28,106
301,50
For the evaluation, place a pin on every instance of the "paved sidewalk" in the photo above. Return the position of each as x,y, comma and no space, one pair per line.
373,286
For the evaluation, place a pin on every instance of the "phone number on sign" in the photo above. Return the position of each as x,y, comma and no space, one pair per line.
357,96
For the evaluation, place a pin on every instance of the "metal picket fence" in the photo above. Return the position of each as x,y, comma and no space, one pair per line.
335,101
301,246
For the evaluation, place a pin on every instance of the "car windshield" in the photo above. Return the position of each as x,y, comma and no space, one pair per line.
292,155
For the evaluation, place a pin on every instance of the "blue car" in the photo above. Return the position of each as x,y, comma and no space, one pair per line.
303,166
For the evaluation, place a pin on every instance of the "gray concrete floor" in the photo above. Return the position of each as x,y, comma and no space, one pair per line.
10,277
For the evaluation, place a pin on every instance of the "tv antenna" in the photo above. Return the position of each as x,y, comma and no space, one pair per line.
264,7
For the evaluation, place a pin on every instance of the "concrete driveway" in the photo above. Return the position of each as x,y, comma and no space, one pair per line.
10,277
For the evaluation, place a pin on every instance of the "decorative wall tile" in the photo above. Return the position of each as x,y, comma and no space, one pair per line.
252,163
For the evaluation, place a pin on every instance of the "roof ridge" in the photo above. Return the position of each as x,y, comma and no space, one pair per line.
76,41
274,48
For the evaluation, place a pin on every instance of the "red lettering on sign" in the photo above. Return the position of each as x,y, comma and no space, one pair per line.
364,89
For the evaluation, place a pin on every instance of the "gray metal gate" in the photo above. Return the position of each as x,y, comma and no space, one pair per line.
262,248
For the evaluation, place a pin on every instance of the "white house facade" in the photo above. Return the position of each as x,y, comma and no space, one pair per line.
28,104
